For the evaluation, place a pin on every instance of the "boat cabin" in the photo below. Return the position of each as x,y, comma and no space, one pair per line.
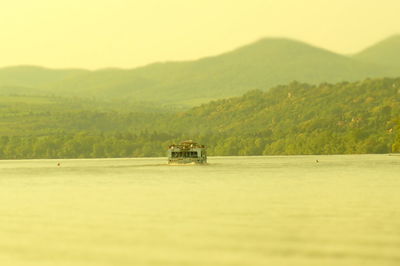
187,152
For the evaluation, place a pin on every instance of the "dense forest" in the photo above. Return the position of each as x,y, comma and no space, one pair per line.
341,118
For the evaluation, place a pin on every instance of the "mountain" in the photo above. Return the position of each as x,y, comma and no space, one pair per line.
385,53
32,79
260,65
263,64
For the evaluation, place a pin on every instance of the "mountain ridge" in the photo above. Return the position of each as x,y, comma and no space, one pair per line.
385,52
262,64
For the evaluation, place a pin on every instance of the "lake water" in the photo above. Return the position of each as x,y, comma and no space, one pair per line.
239,211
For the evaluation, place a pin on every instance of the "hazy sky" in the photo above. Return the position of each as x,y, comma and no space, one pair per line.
128,33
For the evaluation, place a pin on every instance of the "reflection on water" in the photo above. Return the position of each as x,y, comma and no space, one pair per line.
283,210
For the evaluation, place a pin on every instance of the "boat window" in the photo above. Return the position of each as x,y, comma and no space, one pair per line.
186,154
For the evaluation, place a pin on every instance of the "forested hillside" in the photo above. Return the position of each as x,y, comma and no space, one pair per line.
342,118
37,116
260,65
360,117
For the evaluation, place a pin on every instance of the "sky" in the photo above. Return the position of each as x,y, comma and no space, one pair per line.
97,34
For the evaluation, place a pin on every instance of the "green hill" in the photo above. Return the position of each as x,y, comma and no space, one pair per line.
260,65
385,53
342,118
359,117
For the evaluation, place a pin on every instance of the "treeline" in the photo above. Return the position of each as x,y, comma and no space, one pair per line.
122,145
343,118
84,145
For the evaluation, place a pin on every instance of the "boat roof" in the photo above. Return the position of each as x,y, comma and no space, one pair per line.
187,144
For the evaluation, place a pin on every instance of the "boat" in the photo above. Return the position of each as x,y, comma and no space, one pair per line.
187,152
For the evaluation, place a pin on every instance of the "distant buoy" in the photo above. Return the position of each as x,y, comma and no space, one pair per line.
58,164
316,161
